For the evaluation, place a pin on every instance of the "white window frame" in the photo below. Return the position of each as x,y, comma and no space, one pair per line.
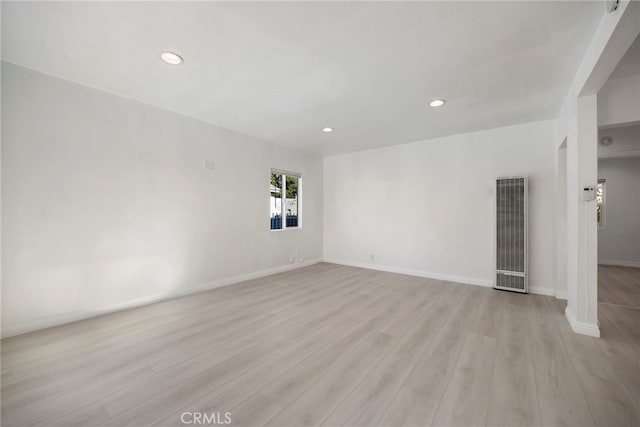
603,210
283,196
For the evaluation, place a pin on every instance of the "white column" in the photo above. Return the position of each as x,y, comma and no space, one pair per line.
582,256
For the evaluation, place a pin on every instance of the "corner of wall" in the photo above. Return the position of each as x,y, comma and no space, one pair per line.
580,327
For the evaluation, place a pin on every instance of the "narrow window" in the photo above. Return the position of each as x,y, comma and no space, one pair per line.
285,200
276,201
600,197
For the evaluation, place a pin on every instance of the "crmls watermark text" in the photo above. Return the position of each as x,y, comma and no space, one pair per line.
205,418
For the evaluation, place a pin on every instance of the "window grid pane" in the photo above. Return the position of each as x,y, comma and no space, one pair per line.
276,201
291,201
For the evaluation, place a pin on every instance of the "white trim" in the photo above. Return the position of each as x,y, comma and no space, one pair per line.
579,327
284,172
619,263
418,273
431,275
61,319
619,125
619,154
556,220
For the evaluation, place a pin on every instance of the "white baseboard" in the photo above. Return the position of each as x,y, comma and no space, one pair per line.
542,291
418,273
562,295
431,275
579,327
619,263
48,322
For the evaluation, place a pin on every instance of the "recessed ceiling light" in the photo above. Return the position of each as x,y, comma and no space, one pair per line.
327,130
437,103
171,58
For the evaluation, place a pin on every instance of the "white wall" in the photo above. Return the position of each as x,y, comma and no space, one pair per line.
428,207
106,202
561,223
619,240
626,141
619,101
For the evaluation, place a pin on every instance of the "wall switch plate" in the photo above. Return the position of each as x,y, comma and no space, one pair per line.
208,164
588,193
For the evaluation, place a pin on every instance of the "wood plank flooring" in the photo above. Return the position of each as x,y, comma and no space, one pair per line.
619,285
333,346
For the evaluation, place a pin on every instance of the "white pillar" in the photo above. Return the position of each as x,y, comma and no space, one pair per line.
582,255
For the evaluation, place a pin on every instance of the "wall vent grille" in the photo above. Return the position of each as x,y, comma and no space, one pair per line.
511,234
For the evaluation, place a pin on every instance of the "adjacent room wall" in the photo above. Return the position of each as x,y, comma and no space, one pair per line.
619,100
107,204
619,240
626,141
427,208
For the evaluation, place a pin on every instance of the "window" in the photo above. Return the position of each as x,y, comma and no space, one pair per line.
285,200
600,198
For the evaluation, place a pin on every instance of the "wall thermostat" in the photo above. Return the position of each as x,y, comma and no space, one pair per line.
588,193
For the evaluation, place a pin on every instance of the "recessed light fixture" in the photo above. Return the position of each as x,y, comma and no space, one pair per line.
327,130
606,141
171,58
437,103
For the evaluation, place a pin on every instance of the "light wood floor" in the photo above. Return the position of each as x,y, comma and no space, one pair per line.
330,345
619,285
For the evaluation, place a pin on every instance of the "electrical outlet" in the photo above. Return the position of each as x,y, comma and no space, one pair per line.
291,259
301,260
208,164
372,257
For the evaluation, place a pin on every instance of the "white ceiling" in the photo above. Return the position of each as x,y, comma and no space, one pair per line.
283,71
